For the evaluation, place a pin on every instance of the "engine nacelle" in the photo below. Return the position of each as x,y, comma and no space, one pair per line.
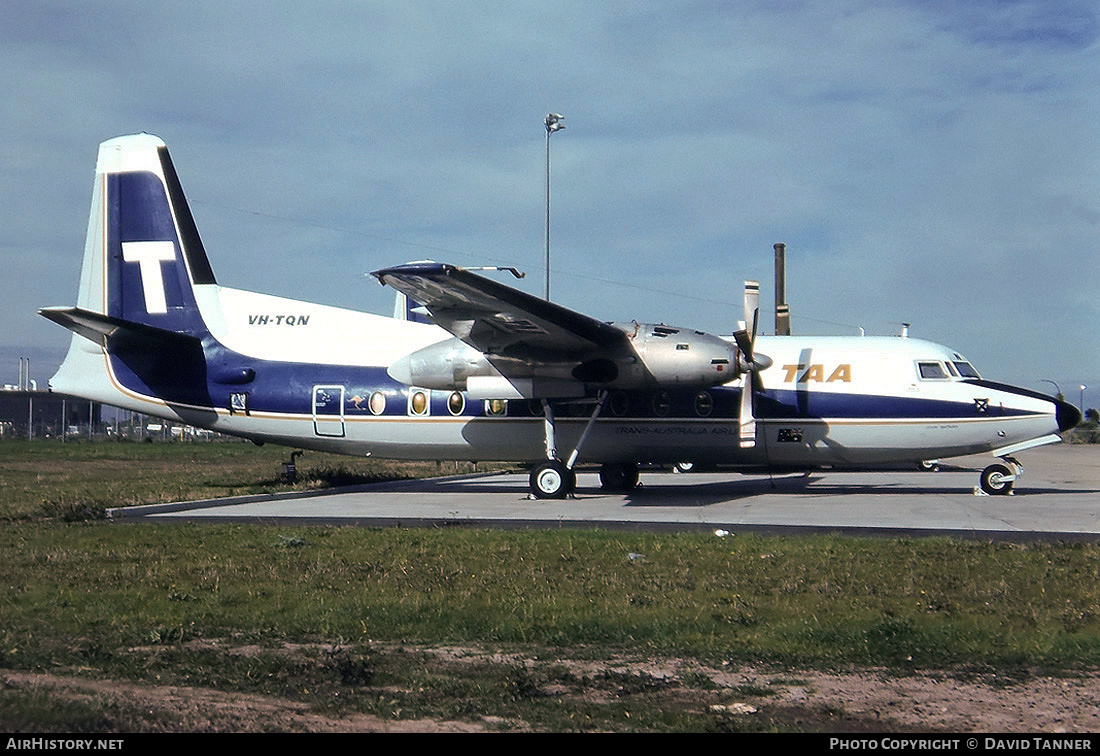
669,356
452,365
650,356
444,366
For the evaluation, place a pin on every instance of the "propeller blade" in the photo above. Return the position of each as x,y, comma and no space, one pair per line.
757,381
746,337
744,346
748,420
746,342
752,306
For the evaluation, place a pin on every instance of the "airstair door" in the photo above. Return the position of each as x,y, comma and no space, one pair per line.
328,411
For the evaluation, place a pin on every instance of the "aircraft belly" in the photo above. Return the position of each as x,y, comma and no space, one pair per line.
817,443
522,440
507,439
857,442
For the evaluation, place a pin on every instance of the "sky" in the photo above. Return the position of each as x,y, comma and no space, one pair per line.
927,162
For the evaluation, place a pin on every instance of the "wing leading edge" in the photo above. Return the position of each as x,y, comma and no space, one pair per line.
496,319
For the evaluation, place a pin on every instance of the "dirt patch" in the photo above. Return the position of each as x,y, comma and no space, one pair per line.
799,700
875,700
929,704
189,709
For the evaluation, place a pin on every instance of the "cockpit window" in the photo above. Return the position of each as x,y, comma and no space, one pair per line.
931,371
966,370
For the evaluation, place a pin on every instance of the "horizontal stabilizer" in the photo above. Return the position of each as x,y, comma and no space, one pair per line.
115,334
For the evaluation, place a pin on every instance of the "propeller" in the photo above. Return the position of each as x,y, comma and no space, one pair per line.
749,363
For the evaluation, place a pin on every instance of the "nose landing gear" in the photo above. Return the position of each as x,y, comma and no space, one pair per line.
999,478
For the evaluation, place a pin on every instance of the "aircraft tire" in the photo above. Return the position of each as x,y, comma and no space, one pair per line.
552,480
619,477
997,480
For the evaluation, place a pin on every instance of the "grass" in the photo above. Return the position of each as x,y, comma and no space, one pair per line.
79,477
815,600
353,619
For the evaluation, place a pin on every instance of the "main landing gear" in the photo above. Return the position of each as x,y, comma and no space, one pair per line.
999,478
619,477
554,479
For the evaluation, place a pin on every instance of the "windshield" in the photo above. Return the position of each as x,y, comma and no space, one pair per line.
966,370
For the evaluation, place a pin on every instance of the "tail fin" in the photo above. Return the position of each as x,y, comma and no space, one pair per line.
143,252
142,261
406,309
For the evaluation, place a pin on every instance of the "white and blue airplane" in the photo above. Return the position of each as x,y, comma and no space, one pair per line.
483,371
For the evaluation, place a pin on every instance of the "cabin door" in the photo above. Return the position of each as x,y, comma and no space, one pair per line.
328,411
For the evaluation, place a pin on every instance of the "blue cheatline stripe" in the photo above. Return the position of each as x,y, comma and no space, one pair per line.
206,378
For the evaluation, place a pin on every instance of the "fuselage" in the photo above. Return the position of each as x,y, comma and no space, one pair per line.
825,400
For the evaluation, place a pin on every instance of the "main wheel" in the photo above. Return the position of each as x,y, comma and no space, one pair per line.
998,479
616,477
552,480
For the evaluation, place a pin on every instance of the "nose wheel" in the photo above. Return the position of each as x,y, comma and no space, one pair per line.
999,478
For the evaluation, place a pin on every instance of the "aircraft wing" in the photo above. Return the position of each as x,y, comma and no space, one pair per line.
497,319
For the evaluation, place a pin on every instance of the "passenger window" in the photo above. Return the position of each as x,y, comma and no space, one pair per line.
662,403
419,403
931,371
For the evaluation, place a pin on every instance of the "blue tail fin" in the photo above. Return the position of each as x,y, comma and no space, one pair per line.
143,260
406,309
152,249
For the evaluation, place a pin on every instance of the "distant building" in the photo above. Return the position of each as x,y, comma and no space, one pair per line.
48,414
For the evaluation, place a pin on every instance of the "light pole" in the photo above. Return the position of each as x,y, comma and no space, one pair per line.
1057,388
1083,387
553,123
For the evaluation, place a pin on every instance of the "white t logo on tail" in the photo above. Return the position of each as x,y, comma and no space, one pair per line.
149,255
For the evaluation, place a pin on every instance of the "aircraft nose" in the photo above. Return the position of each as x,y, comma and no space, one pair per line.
1068,415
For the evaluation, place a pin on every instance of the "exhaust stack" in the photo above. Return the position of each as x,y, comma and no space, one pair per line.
782,310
